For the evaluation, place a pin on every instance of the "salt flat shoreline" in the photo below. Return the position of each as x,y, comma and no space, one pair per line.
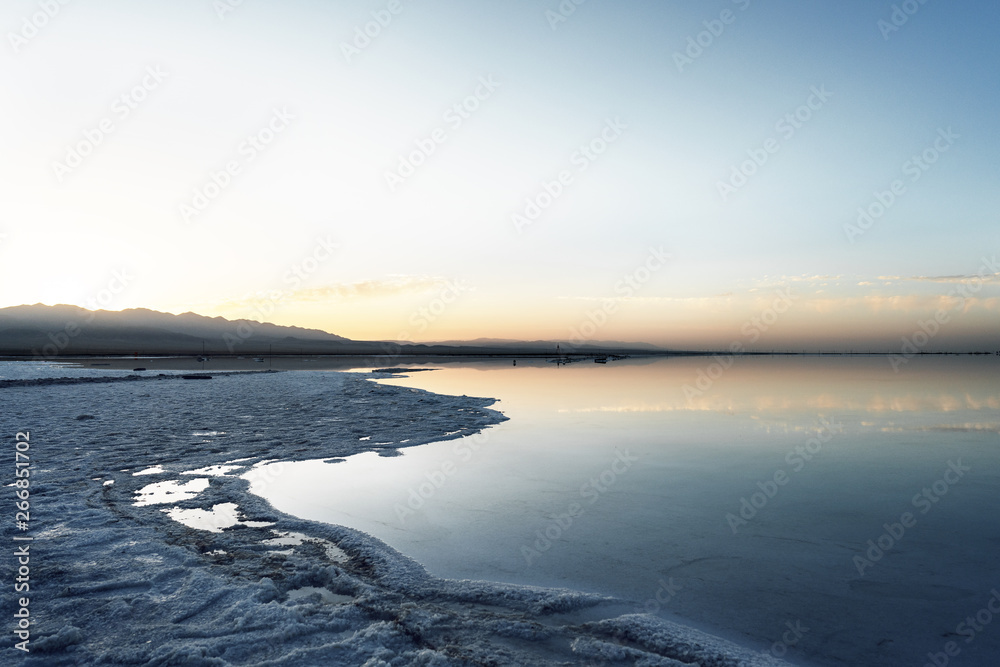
119,582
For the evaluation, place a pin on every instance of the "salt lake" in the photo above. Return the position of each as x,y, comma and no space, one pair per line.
827,510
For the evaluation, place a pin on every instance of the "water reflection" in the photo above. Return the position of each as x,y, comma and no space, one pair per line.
824,453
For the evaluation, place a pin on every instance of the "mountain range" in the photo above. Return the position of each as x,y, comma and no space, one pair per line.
47,331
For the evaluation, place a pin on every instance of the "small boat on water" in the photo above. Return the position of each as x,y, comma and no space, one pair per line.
197,377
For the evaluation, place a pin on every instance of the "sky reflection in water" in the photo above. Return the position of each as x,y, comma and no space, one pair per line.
739,506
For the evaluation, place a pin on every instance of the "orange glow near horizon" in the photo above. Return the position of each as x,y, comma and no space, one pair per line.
750,322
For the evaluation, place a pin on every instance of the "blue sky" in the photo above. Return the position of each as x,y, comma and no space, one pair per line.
445,240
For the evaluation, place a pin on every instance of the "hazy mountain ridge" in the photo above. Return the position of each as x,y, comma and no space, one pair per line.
186,323
62,330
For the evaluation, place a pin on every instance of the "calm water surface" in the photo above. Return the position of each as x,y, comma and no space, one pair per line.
745,508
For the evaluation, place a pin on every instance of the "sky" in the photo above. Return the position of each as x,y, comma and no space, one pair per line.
792,174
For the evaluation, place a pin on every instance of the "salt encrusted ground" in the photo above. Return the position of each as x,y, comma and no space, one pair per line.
115,582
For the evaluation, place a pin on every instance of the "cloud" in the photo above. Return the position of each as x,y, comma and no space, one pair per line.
986,278
650,299
772,281
912,303
392,286
767,406
965,428
364,289
892,297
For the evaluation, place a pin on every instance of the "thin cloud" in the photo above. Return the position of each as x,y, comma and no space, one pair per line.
392,286
365,289
986,278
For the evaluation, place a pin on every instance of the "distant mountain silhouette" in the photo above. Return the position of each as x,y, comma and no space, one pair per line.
41,330
49,331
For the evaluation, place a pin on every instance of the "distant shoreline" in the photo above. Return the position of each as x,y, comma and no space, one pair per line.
345,362
40,332
471,354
